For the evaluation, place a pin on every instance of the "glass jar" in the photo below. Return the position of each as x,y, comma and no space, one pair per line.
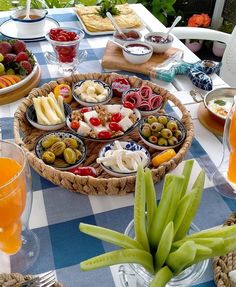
134,275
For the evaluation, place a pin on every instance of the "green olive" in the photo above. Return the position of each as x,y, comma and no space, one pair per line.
166,133
162,120
178,134
71,142
172,125
151,119
162,142
156,127
153,139
172,141
146,131
48,157
70,155
49,141
78,154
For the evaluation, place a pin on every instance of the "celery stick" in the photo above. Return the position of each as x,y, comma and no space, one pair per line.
188,165
139,210
111,236
157,225
164,246
150,196
210,242
203,250
182,209
182,257
119,256
162,277
193,207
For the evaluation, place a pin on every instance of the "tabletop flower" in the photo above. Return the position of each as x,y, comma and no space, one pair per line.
199,20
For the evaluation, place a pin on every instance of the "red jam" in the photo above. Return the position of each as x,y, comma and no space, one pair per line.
158,39
138,49
130,35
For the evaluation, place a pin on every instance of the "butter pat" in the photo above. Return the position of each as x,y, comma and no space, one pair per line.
125,123
126,111
84,129
113,109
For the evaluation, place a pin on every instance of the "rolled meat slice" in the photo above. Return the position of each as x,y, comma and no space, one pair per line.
145,106
134,98
155,101
145,93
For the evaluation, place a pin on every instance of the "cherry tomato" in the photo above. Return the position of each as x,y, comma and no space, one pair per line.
128,105
104,135
116,117
74,125
85,110
95,121
84,171
115,127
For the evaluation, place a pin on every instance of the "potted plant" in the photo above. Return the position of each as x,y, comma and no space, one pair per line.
197,20
218,47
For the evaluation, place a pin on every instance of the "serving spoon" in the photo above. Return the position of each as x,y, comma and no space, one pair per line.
28,4
165,37
118,44
115,25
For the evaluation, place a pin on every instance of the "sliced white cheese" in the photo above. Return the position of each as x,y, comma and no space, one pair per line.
84,129
101,98
99,129
125,123
89,115
126,111
113,108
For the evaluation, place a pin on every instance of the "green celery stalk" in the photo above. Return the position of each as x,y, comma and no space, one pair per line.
164,246
182,257
139,210
210,242
150,196
193,207
111,236
119,256
188,166
162,277
203,250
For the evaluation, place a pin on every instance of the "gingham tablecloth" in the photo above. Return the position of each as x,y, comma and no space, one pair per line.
56,212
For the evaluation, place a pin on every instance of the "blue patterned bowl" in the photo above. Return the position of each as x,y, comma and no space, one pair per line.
127,145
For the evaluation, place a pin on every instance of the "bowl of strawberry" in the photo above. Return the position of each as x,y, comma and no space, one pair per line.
65,43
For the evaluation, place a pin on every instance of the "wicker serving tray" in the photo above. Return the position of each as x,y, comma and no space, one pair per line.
222,265
13,279
26,136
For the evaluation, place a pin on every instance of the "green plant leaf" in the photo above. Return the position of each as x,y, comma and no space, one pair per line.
88,2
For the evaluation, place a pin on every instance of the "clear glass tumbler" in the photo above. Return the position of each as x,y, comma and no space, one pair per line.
134,275
16,240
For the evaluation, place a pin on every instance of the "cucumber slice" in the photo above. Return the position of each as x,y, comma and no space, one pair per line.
119,256
162,277
164,246
111,236
139,210
150,196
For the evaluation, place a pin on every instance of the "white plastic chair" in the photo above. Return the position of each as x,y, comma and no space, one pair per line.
228,69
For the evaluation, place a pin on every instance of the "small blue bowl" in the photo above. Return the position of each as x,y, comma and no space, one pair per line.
127,145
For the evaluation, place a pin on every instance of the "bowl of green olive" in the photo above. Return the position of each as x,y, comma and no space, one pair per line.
162,131
61,150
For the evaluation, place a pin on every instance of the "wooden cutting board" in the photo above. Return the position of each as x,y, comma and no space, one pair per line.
22,91
209,122
113,59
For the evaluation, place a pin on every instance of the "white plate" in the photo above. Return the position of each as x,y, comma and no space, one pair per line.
21,83
8,29
104,32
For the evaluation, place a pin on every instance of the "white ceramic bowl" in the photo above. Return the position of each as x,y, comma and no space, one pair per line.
31,117
134,57
127,145
121,41
32,26
158,47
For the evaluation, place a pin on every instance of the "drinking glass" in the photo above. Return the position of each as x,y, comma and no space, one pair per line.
16,240
134,275
224,177
66,54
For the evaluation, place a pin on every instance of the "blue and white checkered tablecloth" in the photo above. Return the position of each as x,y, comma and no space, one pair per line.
56,212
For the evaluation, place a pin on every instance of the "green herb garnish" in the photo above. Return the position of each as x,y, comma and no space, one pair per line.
220,102
108,6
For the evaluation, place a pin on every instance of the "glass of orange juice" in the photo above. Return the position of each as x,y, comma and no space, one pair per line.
16,239
225,177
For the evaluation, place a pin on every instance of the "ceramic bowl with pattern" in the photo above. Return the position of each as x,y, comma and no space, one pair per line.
155,39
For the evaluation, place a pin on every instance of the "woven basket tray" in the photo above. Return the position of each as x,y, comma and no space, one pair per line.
26,136
13,279
222,265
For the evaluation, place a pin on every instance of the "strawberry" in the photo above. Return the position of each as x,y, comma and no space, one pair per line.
5,47
25,68
22,56
18,46
9,58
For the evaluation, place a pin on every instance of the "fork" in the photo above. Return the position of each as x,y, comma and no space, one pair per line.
42,280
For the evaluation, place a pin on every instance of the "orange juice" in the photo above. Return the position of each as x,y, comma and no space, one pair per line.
12,203
232,143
